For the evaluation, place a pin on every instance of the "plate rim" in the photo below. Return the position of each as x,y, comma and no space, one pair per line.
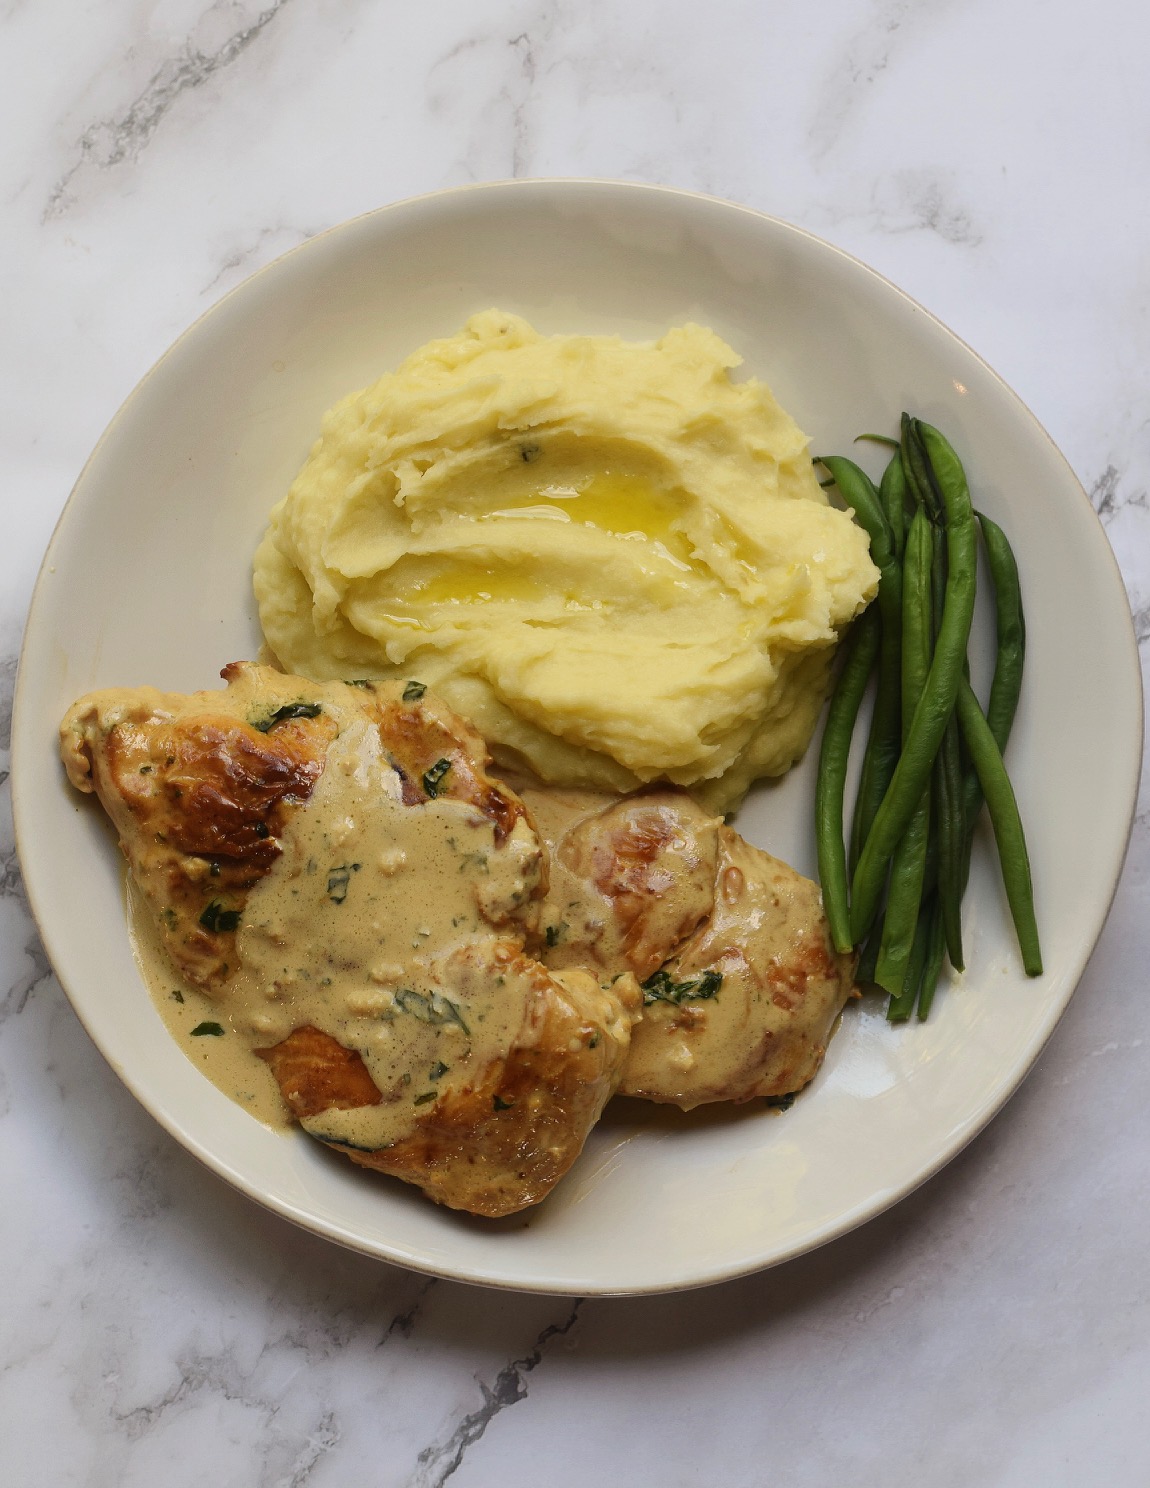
24,734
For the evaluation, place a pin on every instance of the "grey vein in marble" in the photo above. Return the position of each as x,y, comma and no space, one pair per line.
438,1461
404,1322
255,249
524,49
519,68
7,687
911,201
199,1373
111,142
1107,498
14,998
868,55
1111,502
924,202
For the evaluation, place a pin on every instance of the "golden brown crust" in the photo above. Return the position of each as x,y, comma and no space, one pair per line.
199,795
201,788
631,877
315,1073
764,1031
652,856
503,1143
419,734
200,785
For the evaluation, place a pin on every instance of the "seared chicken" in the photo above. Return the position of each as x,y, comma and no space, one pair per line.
746,1006
741,985
630,877
333,864
503,1141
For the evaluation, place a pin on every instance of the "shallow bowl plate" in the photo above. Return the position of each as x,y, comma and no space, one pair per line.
147,580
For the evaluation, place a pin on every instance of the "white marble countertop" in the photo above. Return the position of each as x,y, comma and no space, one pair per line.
155,1327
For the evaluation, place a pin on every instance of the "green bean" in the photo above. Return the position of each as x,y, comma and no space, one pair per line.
914,464
1006,685
893,491
900,1008
937,701
885,738
1004,818
860,649
883,741
859,493
953,859
1011,632
877,439
909,858
868,956
947,791
904,900
935,950
917,616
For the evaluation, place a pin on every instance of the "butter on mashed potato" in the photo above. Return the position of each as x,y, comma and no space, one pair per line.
613,559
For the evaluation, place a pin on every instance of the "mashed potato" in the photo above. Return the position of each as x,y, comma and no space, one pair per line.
611,557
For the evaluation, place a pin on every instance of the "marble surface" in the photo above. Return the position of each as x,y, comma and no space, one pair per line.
994,1328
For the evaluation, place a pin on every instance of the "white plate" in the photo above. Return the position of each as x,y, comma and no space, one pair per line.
147,580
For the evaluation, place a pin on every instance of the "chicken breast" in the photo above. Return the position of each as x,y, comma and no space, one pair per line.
741,985
746,1006
335,867
491,1146
630,877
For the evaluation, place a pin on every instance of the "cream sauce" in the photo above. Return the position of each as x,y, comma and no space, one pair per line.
378,924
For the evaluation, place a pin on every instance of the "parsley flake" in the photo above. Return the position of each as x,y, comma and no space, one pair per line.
435,1009
661,988
216,917
289,710
432,778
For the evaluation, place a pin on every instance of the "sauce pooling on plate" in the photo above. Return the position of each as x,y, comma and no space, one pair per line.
356,930
349,896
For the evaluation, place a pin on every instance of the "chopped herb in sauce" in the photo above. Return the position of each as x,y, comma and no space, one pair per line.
338,880
432,778
781,1102
262,830
438,1070
168,915
413,692
357,682
145,769
289,710
435,1009
499,1104
201,1029
552,933
529,453
177,995
216,917
338,1141
593,1041
661,988
214,870
422,1100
